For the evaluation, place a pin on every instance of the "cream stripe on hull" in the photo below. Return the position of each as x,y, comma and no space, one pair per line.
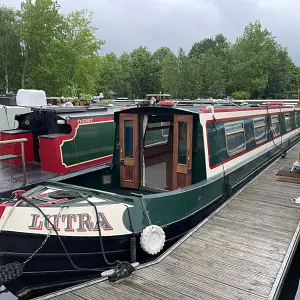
252,154
74,221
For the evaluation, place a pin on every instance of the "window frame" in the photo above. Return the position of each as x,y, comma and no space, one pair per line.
230,154
296,118
258,126
272,123
288,115
158,129
162,130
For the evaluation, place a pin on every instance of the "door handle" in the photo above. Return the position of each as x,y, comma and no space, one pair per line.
122,162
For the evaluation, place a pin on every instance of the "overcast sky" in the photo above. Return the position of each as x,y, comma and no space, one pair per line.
127,24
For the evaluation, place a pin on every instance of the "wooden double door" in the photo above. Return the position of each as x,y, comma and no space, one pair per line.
130,154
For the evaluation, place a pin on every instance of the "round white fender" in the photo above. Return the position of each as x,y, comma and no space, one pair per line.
152,239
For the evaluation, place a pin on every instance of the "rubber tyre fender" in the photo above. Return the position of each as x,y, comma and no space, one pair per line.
152,239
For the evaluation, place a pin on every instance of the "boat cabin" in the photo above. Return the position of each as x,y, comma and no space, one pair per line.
167,146
155,148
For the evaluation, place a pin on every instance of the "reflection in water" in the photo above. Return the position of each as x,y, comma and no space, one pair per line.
290,290
6,295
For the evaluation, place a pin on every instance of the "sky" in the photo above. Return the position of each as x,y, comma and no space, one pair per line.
127,24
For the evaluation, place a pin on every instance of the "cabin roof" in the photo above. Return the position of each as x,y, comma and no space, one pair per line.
160,110
79,112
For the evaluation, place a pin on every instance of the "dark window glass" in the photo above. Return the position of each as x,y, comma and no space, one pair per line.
128,138
235,136
260,130
287,122
155,135
275,125
182,142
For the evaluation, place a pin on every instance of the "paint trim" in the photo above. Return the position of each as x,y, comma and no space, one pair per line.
222,110
242,153
110,119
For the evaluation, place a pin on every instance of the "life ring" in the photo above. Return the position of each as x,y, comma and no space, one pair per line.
152,239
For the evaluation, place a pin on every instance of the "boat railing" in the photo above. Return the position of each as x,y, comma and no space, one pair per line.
10,157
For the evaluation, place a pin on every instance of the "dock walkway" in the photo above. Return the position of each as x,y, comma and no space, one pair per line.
242,251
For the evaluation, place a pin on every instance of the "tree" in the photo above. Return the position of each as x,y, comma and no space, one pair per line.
169,75
143,72
241,95
59,52
124,88
218,45
81,51
109,74
254,54
10,50
212,70
40,24
159,57
217,51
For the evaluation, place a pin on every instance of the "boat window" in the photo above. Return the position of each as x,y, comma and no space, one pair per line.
165,131
182,143
275,125
157,134
260,130
296,119
128,137
287,122
235,137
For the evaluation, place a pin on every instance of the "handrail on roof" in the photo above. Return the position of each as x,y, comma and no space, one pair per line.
16,141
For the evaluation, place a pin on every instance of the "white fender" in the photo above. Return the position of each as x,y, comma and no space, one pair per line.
152,239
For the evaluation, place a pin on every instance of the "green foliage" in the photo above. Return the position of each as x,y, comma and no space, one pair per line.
241,95
42,48
10,50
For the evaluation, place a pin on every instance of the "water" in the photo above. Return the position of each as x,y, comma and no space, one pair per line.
290,290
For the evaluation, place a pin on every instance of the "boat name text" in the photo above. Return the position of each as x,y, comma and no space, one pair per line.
82,121
70,222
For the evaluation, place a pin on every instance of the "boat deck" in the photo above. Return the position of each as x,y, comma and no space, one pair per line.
33,175
242,251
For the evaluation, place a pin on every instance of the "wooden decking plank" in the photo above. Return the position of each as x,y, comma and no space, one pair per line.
114,291
256,265
249,234
245,248
241,240
208,286
214,249
236,224
239,215
229,275
69,296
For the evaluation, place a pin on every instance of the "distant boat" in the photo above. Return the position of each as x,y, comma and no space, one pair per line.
172,166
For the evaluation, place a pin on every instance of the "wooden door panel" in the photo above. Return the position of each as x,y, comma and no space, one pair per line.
129,150
182,151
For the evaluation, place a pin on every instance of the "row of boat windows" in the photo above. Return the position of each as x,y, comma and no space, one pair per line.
235,131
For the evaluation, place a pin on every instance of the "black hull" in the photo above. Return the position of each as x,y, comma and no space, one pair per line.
51,270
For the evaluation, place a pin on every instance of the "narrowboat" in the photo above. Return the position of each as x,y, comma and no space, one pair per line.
63,139
172,166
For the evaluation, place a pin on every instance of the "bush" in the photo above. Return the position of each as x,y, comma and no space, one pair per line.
241,95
